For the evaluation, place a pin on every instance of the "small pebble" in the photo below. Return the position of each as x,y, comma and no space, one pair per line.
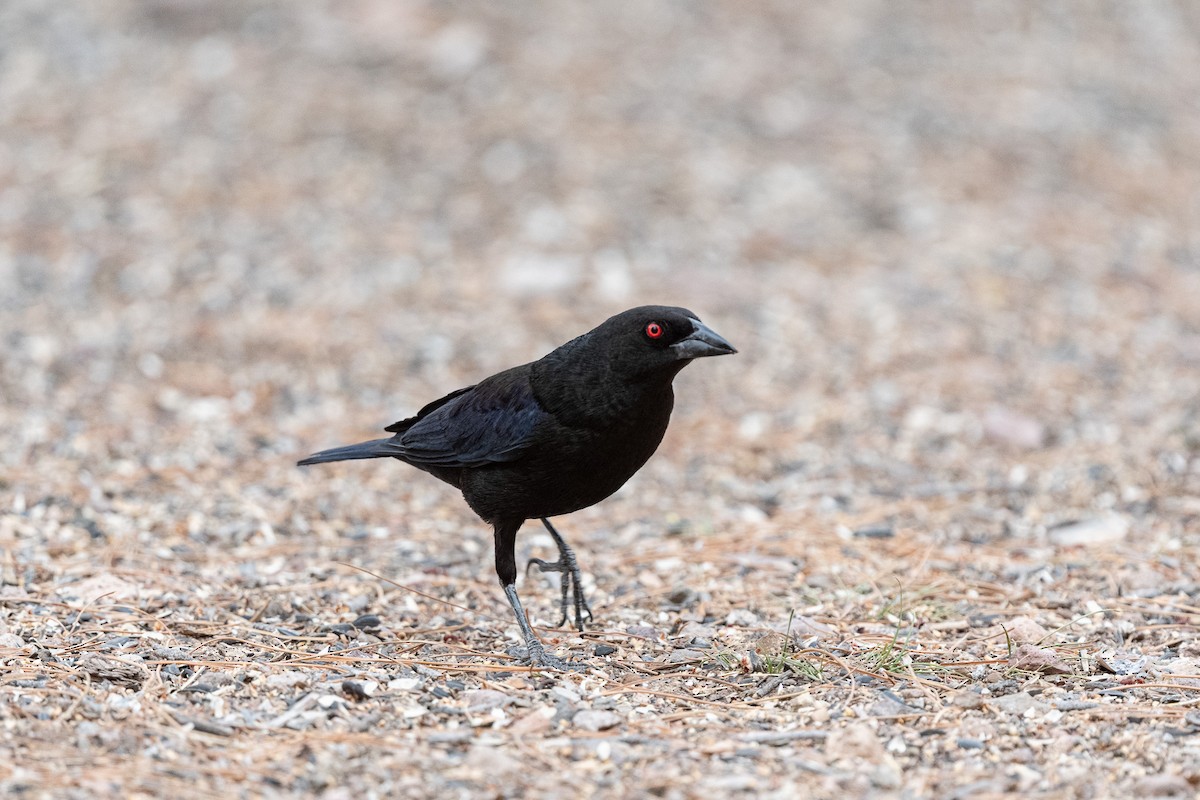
741,617
1101,530
1015,704
368,622
354,690
593,720
479,700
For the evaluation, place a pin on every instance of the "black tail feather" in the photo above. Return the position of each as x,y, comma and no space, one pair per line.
375,448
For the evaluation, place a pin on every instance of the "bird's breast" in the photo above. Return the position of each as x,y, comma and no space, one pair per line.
570,468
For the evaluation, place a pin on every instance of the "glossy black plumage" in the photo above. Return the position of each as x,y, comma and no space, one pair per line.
552,436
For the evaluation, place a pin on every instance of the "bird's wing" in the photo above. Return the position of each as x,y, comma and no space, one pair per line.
490,423
405,424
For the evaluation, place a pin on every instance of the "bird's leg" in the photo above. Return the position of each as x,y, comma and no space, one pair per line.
506,569
535,651
569,567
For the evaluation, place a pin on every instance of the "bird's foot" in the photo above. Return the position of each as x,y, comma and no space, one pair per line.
569,568
534,652
535,655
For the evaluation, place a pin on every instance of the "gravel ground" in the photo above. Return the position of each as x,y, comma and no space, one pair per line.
930,534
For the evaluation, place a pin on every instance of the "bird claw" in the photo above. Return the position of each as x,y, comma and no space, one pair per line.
567,566
544,566
534,655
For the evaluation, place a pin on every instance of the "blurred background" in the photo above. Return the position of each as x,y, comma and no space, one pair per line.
957,243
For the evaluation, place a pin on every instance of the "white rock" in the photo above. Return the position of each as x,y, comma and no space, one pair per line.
287,680
479,700
741,617
594,720
1099,530
1012,428
1017,704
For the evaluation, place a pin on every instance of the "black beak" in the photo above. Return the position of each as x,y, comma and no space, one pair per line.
703,341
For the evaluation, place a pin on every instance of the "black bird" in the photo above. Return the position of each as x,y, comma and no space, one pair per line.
553,436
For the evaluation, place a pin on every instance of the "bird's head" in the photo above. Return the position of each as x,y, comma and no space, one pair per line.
659,339
601,377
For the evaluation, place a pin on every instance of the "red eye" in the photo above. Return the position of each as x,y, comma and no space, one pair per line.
654,330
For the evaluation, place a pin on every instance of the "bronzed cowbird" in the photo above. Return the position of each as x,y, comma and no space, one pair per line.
553,436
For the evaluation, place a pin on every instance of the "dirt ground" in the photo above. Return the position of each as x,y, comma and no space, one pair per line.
930,534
